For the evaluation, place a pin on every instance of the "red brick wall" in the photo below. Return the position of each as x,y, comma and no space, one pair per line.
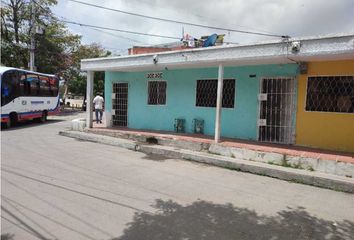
143,50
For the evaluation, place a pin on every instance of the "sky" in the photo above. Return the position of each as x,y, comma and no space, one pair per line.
296,18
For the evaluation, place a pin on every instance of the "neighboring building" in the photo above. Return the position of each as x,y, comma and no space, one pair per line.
295,91
142,50
325,115
74,101
156,48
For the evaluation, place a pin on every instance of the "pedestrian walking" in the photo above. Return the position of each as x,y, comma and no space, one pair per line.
98,101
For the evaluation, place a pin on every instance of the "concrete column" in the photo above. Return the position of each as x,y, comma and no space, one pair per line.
219,103
108,117
89,99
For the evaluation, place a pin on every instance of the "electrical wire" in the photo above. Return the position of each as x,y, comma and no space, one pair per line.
180,22
149,3
118,36
91,28
119,30
125,31
98,28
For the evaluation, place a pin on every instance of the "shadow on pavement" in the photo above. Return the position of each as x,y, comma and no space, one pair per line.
208,221
67,112
28,124
7,236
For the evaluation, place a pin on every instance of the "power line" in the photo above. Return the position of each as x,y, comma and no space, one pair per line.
112,48
125,31
118,36
109,33
133,40
203,17
180,22
119,30
93,28
98,28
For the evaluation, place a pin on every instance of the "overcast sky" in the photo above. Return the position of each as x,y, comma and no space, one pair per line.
285,17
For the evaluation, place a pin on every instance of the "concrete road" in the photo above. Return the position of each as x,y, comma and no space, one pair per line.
53,187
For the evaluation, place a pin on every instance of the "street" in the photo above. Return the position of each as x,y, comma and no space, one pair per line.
54,187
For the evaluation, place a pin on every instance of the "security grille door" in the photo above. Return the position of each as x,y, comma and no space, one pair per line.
120,104
276,110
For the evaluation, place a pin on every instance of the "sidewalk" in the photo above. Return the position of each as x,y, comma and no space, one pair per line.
204,151
337,163
227,142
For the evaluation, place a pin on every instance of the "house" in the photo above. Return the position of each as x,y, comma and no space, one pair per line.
290,91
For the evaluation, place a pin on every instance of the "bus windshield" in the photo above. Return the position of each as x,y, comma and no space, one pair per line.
9,86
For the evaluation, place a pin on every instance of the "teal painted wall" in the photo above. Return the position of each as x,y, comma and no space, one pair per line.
238,122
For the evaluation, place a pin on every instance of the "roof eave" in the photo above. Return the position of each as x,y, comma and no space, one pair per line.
329,48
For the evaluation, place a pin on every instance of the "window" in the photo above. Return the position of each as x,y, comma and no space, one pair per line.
44,86
207,93
330,94
157,92
32,86
9,87
23,84
54,86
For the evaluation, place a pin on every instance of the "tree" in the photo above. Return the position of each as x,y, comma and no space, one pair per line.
57,50
77,85
13,42
16,29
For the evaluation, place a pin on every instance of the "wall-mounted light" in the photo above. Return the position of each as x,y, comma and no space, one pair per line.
295,47
155,59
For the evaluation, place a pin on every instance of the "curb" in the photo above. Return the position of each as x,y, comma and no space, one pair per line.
323,180
100,139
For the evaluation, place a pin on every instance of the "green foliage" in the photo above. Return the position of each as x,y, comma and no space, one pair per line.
57,51
77,83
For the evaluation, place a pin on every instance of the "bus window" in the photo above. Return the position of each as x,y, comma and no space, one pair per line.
54,86
9,87
33,83
23,84
44,86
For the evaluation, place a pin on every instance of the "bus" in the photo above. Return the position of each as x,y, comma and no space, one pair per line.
27,95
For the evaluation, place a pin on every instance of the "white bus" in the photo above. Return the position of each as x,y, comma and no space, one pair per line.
27,95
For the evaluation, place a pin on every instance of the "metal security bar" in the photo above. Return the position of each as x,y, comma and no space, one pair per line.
276,110
207,93
120,104
157,92
330,94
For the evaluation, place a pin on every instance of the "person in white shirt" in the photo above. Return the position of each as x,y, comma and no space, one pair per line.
98,101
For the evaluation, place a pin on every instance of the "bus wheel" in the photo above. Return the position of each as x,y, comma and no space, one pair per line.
43,118
12,120
8,124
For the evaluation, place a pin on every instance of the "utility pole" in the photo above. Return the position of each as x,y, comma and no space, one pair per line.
33,32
